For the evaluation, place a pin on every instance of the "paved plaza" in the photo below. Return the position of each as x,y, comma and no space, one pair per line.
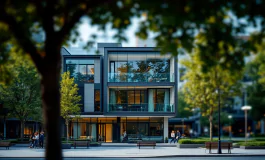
129,151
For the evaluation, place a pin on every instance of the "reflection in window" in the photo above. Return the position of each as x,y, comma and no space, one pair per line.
131,68
80,71
97,100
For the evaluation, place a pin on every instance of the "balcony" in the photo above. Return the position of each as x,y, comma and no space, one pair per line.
143,107
141,77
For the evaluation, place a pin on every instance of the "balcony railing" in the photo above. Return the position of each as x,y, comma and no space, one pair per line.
140,77
143,107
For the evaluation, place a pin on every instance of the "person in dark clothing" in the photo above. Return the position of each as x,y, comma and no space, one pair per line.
178,135
41,139
125,137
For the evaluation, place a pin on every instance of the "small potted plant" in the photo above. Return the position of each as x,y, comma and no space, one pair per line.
166,140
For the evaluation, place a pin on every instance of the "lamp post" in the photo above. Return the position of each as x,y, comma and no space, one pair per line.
246,108
219,122
230,128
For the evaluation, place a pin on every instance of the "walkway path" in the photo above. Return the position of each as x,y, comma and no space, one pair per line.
126,152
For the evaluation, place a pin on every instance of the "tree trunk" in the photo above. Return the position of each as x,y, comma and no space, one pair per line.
211,127
51,108
67,125
22,124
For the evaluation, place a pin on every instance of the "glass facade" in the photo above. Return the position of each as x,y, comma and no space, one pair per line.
97,100
144,100
131,67
106,129
81,70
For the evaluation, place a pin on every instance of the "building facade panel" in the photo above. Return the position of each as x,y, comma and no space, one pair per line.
89,98
97,71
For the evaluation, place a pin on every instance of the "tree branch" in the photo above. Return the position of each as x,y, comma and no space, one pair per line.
22,37
71,21
69,24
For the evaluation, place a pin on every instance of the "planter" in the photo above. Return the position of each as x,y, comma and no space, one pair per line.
66,145
95,144
166,141
252,147
190,145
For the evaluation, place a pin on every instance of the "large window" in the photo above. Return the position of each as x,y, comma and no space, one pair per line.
143,129
127,100
81,70
158,100
151,100
146,67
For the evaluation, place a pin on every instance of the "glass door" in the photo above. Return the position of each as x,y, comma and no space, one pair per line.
102,132
105,132
108,133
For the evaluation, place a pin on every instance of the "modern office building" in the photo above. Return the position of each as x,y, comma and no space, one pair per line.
132,89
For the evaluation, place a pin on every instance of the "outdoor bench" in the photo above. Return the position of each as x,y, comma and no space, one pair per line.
146,143
5,144
81,144
214,145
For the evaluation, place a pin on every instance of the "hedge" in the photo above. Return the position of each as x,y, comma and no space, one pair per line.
253,143
194,141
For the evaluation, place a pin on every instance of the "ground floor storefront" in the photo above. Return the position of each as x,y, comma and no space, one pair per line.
111,129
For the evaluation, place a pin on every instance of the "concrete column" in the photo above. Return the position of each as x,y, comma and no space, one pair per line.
165,127
77,130
262,126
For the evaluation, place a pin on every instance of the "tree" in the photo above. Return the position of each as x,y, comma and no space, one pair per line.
69,99
203,89
255,70
22,95
184,109
174,22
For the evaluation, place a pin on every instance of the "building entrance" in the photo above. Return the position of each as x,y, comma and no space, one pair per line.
105,132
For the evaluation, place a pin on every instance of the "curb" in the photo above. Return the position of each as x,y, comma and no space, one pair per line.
166,156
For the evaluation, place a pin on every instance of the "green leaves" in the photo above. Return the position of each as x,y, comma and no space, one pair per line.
69,97
202,88
22,95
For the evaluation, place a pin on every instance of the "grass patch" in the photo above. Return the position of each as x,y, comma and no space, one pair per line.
252,143
259,139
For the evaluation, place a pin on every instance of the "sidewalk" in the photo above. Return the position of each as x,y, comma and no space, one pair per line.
130,152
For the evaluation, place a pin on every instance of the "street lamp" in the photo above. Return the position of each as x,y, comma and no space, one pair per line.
246,108
219,123
230,128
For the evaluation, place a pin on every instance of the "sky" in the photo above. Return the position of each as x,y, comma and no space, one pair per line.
86,30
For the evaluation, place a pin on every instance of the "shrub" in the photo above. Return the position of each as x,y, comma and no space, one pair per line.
259,135
197,141
253,143
10,140
193,141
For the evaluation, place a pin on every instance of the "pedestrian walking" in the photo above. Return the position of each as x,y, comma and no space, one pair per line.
36,141
31,140
125,137
41,139
172,136
178,136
